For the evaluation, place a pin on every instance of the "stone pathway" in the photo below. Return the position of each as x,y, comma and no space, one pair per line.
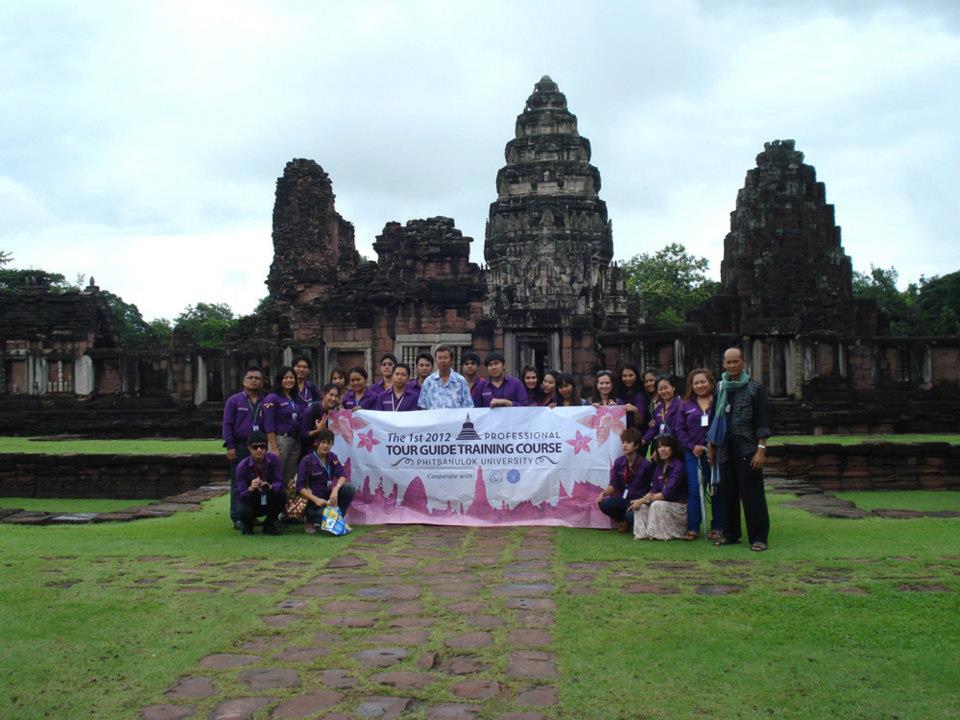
818,502
414,622
165,507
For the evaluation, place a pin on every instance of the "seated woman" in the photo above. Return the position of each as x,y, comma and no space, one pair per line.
696,414
360,395
635,401
630,479
666,413
531,381
661,514
603,390
567,392
321,481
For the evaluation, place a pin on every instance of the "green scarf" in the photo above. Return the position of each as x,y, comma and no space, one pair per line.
718,428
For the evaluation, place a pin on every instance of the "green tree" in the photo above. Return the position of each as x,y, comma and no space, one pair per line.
5,258
204,324
133,332
669,283
899,306
18,281
938,305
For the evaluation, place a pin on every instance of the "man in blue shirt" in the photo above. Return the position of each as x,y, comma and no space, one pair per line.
445,388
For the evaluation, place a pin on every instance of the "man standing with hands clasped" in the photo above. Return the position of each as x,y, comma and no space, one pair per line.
445,388
737,441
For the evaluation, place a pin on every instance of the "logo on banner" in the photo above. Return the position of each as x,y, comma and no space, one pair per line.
513,476
468,431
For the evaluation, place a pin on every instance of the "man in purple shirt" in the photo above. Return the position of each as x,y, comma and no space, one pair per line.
259,486
498,389
242,415
403,396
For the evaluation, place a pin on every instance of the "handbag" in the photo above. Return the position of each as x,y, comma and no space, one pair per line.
332,522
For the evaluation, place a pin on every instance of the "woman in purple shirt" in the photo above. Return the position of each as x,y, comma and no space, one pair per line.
696,414
360,395
550,388
635,401
629,481
567,392
666,412
281,420
661,514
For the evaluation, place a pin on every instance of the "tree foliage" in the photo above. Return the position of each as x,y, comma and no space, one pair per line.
204,324
928,307
19,281
669,283
133,332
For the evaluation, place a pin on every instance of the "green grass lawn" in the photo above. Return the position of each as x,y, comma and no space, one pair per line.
952,438
904,500
151,446
98,625
791,644
80,505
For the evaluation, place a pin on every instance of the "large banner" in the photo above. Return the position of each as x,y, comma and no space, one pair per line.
478,466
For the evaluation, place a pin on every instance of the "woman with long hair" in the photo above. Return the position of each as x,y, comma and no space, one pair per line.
550,388
635,402
661,514
530,378
281,420
696,414
604,392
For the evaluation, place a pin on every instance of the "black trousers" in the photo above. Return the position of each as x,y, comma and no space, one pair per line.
615,507
242,452
252,507
741,483
314,514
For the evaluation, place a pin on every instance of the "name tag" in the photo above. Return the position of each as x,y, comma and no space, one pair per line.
704,421
263,499
625,491
728,408
663,426
255,428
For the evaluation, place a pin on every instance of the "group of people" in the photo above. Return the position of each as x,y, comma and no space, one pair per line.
280,444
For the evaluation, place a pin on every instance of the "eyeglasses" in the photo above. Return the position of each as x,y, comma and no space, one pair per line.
258,446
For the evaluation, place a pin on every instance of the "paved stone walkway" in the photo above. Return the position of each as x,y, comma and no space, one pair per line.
419,622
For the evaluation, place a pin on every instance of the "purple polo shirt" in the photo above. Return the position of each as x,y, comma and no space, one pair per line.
664,422
390,402
280,415
639,400
240,418
247,470
367,401
314,412
510,389
631,483
671,480
691,430
306,396
318,476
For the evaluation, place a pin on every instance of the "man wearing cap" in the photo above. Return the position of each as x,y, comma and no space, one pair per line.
241,417
259,486
445,388
498,389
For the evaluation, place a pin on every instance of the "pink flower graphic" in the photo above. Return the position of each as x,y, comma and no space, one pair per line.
367,441
607,419
580,442
343,423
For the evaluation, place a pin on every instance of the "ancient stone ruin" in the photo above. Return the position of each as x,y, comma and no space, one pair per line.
550,296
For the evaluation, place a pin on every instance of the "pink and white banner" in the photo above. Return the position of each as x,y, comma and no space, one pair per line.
505,466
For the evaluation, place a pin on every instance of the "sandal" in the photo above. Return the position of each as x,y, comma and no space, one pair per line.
758,547
691,535
724,541
714,535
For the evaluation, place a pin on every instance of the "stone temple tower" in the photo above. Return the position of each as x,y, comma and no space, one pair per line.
549,243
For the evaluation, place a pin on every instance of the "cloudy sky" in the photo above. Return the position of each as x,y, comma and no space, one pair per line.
140,142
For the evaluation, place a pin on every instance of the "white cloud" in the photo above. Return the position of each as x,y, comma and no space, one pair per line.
142,142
